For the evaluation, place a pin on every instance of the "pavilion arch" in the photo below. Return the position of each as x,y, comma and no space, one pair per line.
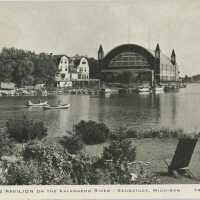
139,57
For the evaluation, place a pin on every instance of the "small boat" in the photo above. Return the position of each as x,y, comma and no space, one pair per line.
183,85
144,90
41,104
64,106
158,89
106,90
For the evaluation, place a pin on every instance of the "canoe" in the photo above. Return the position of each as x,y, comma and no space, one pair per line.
144,90
41,104
159,89
64,106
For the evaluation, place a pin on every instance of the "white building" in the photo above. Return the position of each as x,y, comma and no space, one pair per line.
7,85
83,69
72,69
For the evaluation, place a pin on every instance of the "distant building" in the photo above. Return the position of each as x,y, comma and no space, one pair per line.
83,69
7,85
72,69
7,88
142,63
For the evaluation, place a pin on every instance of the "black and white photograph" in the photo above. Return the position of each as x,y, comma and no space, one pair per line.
100,92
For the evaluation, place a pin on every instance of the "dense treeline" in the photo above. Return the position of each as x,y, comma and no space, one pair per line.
191,79
28,68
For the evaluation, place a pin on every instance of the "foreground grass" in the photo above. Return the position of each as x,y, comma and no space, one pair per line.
105,155
155,151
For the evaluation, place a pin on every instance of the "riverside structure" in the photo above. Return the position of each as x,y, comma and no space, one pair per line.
74,72
139,64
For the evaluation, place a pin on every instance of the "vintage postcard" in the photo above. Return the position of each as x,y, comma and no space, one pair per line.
99,99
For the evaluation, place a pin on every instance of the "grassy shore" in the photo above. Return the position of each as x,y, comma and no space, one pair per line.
108,156
156,151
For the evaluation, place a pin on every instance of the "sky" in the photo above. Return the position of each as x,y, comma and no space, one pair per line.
79,27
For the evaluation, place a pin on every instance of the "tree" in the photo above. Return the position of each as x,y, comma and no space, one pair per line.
91,132
6,70
26,67
120,150
73,144
94,68
23,73
45,68
6,145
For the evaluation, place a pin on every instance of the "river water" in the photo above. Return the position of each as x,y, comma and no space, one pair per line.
138,111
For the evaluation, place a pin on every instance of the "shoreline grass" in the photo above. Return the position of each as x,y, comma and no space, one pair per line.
120,147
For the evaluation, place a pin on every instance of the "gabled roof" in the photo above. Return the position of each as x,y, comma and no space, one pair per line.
78,60
75,59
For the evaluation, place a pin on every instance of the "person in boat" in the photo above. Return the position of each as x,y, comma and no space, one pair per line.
40,101
28,102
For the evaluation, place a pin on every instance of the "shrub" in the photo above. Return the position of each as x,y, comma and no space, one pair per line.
6,146
73,144
118,134
24,130
119,153
46,164
120,150
21,173
143,172
153,133
132,134
91,132
52,164
83,170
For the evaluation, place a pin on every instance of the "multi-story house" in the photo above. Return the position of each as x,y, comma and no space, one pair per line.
72,70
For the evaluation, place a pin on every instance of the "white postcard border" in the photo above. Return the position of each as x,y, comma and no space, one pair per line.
64,192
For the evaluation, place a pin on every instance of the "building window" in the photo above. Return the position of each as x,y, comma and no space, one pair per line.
62,76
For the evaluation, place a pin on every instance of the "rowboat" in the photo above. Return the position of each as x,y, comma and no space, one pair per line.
144,90
105,90
158,89
41,104
64,106
183,85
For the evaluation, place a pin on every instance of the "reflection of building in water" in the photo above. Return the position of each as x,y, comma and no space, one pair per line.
168,106
102,109
81,108
134,111
138,64
148,110
64,117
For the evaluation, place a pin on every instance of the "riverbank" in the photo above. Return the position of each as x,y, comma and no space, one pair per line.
156,151
92,154
153,147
